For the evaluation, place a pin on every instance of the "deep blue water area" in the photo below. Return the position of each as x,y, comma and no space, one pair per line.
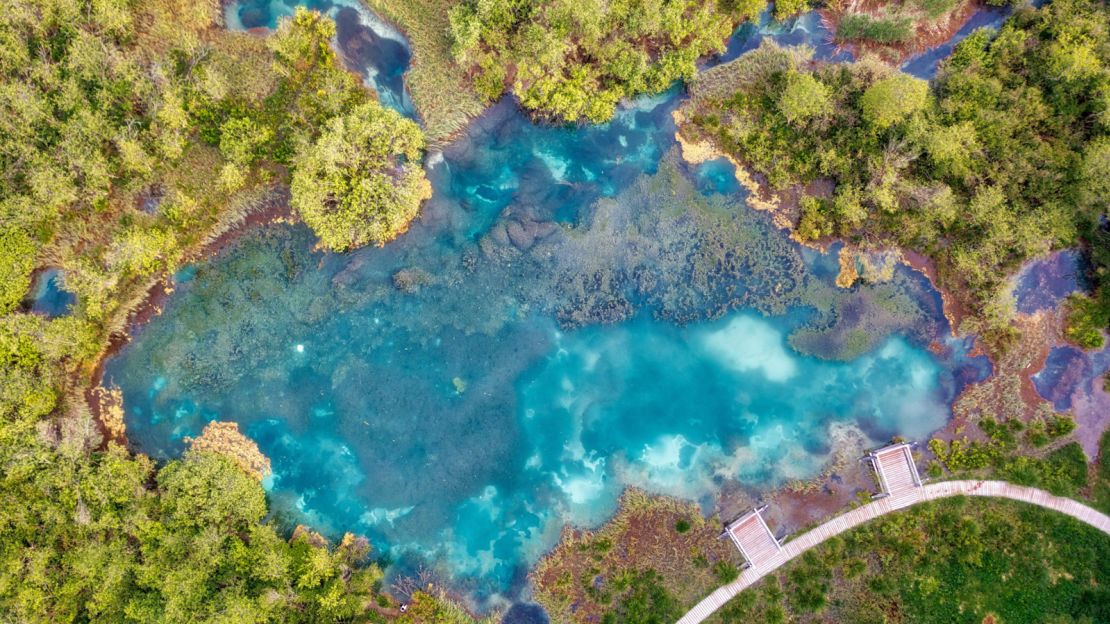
368,44
1065,370
575,311
48,297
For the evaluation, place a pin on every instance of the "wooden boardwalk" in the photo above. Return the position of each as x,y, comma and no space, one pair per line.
880,507
753,537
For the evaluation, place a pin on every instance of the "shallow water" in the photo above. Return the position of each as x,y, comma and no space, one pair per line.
368,44
925,64
1043,284
459,397
48,297
576,311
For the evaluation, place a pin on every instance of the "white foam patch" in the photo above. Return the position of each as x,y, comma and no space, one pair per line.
590,359
583,489
747,344
555,164
379,515
370,20
665,453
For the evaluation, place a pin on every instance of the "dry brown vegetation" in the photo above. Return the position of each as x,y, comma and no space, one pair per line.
574,582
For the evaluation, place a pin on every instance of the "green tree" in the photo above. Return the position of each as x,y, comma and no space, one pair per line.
892,99
17,260
361,183
804,98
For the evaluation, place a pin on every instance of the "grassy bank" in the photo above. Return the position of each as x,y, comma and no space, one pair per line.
654,557
440,88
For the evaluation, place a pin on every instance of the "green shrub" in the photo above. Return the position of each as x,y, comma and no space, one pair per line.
785,9
893,99
643,600
725,572
936,8
862,27
1085,321
17,259
361,182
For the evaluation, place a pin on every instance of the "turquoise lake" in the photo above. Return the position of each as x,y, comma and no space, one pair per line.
576,311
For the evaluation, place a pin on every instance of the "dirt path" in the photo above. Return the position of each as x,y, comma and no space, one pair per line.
883,506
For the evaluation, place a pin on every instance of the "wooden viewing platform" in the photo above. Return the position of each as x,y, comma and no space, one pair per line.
753,537
883,506
897,474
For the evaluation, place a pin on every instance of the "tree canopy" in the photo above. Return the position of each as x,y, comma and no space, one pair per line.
131,133
361,181
572,60
1001,159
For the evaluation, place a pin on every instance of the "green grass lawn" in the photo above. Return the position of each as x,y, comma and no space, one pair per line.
956,560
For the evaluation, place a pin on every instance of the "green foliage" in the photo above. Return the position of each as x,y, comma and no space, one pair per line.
785,9
1001,160
643,600
88,537
18,253
863,27
575,62
963,454
1063,471
682,525
111,107
804,98
893,99
1085,320
725,572
1100,489
1060,425
954,560
360,182
935,9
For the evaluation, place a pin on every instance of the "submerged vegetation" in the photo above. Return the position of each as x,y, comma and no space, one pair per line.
1000,160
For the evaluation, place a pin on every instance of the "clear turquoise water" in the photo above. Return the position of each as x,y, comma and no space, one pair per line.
576,311
48,297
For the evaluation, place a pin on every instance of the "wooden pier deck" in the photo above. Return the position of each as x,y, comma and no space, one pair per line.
882,506
753,537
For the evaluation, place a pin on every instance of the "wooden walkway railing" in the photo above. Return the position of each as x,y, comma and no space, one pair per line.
882,506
